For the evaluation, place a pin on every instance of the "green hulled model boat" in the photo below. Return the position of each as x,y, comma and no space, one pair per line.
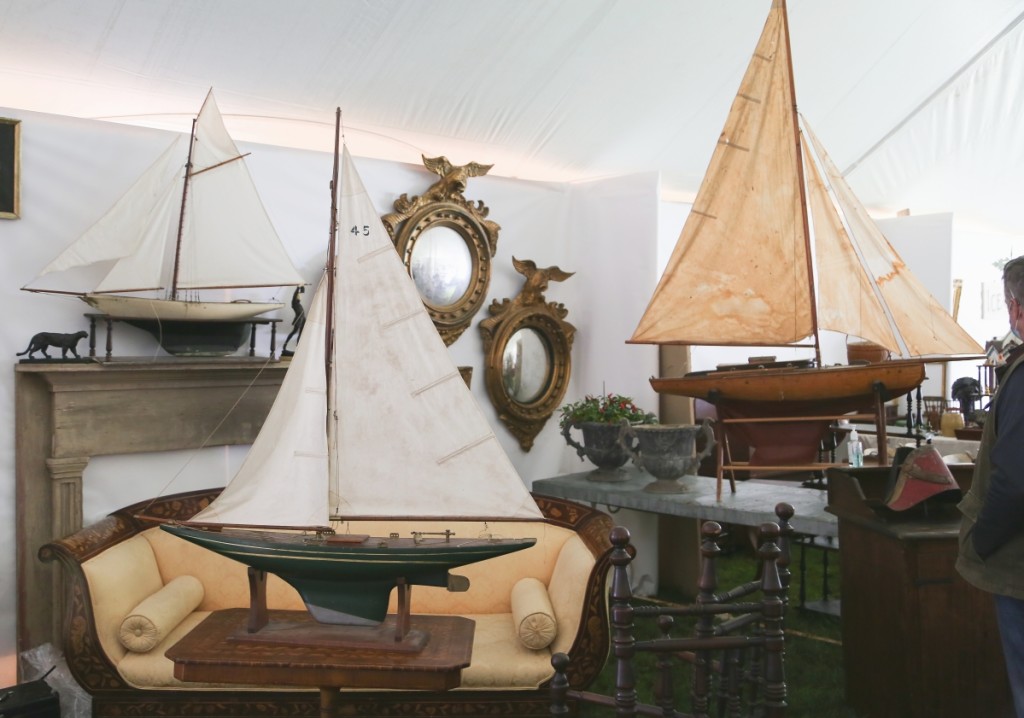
372,420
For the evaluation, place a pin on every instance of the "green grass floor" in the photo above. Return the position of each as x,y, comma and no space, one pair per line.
814,654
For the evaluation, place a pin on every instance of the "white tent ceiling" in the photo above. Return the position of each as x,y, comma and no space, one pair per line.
918,100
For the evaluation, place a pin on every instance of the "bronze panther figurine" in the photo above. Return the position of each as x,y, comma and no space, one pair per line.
44,340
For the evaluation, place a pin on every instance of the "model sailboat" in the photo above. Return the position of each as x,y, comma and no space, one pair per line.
177,231
743,272
372,420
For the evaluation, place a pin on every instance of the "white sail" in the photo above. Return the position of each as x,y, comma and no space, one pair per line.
283,480
411,440
227,237
134,231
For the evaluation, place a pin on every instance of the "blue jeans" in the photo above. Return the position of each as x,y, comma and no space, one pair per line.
1010,614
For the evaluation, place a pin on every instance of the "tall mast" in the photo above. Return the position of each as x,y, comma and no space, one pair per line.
181,216
331,268
800,183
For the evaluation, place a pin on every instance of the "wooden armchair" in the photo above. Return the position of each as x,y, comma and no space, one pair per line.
734,657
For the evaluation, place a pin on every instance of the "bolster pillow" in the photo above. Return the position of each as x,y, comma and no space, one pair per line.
149,623
532,615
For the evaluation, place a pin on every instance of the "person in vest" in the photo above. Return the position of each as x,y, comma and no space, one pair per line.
991,553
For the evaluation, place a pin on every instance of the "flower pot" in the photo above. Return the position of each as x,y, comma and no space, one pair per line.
601,446
666,452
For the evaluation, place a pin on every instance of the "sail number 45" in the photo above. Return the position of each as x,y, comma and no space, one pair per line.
365,230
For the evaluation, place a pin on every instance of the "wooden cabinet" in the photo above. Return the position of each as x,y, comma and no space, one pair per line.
918,640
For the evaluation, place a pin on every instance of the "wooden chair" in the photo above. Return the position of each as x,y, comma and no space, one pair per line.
735,655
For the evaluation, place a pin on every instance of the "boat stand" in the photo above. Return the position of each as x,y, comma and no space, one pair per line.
395,633
726,463
108,321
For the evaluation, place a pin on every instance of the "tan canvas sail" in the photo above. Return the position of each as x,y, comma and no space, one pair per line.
411,439
923,326
847,300
739,272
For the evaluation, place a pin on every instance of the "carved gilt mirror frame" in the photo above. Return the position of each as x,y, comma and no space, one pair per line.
446,243
527,353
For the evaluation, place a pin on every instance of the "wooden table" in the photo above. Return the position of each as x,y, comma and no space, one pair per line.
209,653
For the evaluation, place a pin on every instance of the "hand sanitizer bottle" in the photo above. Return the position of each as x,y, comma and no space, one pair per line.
855,449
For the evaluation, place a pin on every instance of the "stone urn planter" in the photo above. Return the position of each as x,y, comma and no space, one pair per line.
666,452
601,447
598,418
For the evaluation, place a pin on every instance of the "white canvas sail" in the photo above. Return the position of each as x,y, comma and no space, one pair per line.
134,231
410,439
227,237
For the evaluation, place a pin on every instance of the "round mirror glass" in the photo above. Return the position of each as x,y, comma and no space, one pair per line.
525,365
441,265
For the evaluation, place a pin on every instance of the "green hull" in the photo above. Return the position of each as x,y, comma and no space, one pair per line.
343,583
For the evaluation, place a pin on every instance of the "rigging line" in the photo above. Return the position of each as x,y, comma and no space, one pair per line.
938,91
213,431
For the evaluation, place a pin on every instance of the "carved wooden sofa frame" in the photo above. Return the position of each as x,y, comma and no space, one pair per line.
113,696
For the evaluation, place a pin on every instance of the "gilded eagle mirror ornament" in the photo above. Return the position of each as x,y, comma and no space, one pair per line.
527,350
446,243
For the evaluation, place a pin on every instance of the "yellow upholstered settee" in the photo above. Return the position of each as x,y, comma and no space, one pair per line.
133,591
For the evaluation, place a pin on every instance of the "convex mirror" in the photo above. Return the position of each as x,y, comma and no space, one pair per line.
447,244
527,353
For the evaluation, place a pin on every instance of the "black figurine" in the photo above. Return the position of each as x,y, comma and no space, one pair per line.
44,340
298,322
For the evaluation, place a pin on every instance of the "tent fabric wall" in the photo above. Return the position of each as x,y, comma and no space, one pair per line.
919,98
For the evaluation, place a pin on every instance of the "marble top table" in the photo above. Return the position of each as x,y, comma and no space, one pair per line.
752,505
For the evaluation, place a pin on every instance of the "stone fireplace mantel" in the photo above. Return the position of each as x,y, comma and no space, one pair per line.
68,412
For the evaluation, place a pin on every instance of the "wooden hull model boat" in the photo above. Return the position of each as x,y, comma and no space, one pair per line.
743,273
852,385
